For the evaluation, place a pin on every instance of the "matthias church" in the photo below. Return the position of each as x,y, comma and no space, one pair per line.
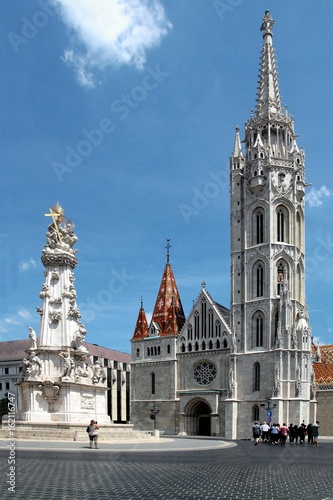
221,368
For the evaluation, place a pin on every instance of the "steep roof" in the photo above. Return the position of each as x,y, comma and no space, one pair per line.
323,363
168,307
141,327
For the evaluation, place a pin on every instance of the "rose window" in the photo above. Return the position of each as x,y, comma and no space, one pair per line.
205,373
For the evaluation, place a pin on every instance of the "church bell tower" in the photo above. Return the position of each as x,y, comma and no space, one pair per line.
268,308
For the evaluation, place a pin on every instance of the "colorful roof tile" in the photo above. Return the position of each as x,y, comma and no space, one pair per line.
141,327
168,311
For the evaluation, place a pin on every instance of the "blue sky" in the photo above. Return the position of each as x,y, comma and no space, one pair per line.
125,113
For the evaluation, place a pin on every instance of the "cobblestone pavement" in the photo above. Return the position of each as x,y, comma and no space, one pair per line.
240,472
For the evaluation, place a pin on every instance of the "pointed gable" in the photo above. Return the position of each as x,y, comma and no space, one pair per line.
207,326
168,311
141,327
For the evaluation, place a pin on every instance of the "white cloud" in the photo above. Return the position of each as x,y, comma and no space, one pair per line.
26,266
315,197
23,313
110,32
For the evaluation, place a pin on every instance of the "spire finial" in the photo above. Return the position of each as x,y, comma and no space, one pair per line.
267,24
141,302
168,246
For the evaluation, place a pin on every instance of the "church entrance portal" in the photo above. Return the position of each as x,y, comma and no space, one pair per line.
198,419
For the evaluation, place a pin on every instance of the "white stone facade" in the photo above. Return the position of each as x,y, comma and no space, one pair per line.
232,366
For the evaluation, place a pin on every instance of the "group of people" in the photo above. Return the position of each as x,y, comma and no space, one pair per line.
278,434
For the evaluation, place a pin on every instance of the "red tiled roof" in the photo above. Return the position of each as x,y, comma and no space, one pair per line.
323,373
168,303
326,352
141,327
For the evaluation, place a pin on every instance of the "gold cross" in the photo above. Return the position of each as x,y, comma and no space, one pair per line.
54,216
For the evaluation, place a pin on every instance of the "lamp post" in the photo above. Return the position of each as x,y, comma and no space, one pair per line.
153,415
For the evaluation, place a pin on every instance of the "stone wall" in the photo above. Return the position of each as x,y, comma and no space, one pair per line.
325,410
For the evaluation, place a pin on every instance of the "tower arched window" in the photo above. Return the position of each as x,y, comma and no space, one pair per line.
258,330
258,280
168,349
258,226
299,235
218,328
281,276
189,332
282,224
152,379
256,377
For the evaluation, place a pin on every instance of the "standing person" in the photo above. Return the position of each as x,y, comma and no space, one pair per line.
284,431
309,433
301,433
296,433
291,433
315,433
264,432
274,434
92,430
256,431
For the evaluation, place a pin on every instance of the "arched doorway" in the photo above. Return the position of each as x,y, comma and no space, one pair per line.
198,418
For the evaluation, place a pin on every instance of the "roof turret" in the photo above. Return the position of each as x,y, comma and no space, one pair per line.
141,327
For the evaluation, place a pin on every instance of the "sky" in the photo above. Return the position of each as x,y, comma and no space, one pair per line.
125,112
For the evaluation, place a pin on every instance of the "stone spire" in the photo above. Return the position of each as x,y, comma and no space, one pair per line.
237,151
268,97
141,327
168,304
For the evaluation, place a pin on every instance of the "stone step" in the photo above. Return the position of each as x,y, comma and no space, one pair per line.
71,434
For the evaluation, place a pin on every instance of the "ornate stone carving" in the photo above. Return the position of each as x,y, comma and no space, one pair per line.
39,310
45,291
55,315
98,373
82,369
56,300
69,364
87,401
79,337
50,391
55,275
74,311
32,366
